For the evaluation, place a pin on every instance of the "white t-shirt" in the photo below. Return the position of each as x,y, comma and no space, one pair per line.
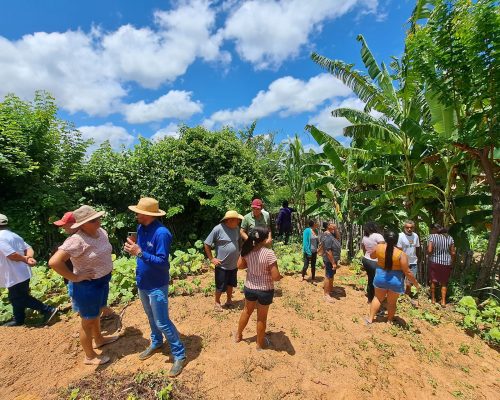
370,242
409,244
12,272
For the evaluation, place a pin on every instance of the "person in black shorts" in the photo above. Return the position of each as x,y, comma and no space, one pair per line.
225,238
262,271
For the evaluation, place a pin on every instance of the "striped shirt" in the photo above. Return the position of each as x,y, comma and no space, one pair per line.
440,248
259,269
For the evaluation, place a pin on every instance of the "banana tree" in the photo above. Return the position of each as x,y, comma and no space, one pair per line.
397,135
453,51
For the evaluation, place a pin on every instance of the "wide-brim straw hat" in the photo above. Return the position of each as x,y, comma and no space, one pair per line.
232,214
85,214
147,206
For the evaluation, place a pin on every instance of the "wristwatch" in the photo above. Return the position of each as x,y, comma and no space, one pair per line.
139,255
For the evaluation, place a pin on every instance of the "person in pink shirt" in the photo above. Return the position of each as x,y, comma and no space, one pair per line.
262,271
90,252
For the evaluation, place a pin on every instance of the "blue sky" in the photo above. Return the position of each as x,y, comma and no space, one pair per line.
119,69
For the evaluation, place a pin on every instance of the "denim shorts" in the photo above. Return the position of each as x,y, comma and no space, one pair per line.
88,297
329,270
264,297
390,280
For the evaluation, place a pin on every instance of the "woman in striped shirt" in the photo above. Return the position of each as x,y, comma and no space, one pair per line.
262,272
441,249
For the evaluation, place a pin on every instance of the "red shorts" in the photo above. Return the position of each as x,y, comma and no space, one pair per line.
439,273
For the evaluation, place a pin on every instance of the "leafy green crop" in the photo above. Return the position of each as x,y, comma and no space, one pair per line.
483,319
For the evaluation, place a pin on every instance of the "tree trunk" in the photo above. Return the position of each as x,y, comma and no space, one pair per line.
488,268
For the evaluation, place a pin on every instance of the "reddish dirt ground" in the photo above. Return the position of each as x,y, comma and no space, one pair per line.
319,351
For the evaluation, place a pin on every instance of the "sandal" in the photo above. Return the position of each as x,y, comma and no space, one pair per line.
99,360
237,339
108,340
267,344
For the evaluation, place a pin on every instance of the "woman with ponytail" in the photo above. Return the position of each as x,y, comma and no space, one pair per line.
262,272
392,266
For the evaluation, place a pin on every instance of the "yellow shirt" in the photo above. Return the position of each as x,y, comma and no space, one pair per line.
396,257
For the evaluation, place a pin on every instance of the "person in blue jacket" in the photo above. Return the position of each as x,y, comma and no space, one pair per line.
152,274
310,244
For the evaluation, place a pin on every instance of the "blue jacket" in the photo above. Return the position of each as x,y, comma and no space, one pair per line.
284,220
153,267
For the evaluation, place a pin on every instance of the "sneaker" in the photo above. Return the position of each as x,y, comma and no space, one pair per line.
177,367
12,323
49,315
149,352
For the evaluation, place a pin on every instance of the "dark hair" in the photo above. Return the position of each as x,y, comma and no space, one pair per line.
391,238
255,236
325,225
439,228
311,223
370,227
285,203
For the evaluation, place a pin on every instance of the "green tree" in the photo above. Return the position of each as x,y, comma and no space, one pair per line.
40,158
453,50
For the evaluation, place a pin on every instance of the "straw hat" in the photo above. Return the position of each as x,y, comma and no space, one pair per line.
232,214
147,206
85,214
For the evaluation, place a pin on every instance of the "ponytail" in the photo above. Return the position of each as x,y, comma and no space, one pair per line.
391,239
257,235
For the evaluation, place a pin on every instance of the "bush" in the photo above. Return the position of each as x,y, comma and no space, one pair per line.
482,319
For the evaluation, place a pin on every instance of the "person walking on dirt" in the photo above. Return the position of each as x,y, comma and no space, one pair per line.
90,252
392,267
284,221
152,250
225,237
262,271
408,241
331,249
371,238
16,260
257,217
441,249
65,224
310,249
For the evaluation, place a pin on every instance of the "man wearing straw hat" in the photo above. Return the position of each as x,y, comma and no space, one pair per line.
225,237
152,274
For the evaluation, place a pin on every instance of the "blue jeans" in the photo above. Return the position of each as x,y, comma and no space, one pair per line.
155,303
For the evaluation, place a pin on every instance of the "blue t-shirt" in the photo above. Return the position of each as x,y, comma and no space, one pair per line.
153,267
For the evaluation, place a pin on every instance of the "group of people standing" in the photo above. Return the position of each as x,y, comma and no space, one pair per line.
84,260
391,264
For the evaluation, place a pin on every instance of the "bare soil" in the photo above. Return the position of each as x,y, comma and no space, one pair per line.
319,351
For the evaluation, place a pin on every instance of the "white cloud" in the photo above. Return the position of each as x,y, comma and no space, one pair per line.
89,71
335,126
175,104
117,136
268,32
152,57
171,130
286,96
66,64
